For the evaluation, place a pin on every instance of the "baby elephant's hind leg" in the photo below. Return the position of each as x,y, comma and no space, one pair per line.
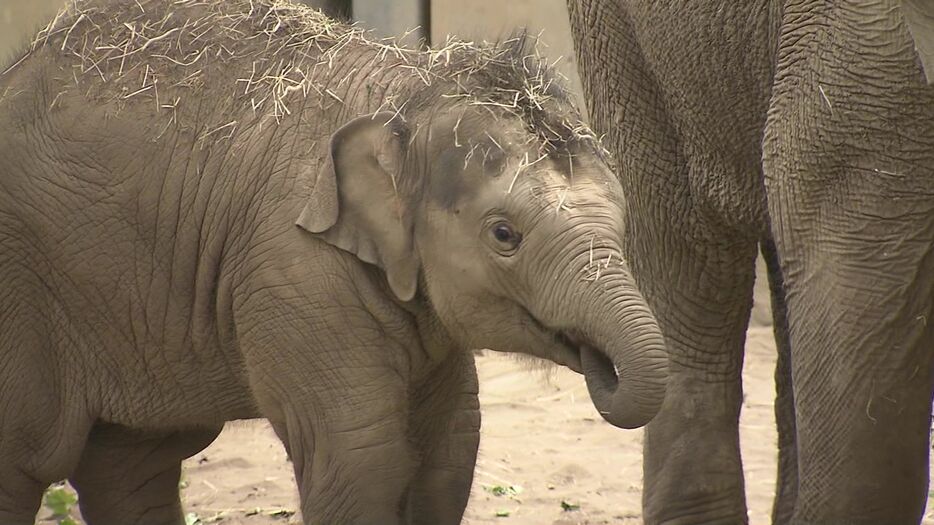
131,477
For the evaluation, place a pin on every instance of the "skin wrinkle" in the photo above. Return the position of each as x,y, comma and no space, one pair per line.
253,215
164,323
356,334
560,240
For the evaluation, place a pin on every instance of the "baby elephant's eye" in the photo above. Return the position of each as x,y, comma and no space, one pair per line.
507,238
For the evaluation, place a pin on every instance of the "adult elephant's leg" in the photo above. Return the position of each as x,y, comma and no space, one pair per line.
861,344
445,428
786,490
701,295
849,159
131,476
681,107
20,497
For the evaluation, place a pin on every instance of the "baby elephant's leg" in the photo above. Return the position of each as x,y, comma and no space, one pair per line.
445,427
354,463
131,477
20,496
29,462
41,436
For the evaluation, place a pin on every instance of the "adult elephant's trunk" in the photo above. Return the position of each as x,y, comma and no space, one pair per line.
623,354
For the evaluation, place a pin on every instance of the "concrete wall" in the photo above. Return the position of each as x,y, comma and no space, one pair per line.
494,19
385,17
20,20
396,18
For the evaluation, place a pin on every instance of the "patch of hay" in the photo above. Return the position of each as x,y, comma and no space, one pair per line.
281,54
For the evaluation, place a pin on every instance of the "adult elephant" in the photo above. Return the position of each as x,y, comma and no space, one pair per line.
805,128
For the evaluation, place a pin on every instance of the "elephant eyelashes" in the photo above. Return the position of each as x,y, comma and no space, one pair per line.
506,238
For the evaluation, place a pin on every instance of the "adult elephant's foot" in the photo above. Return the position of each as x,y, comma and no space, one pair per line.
693,473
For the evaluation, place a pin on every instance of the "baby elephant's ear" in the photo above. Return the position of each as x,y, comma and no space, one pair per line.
356,201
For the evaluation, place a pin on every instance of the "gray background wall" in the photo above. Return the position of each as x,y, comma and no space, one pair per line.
492,19
20,20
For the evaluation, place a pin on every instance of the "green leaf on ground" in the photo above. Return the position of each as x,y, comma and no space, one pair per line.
60,500
502,514
504,490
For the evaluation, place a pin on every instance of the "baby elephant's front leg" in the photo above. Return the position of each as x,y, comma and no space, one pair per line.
349,447
445,427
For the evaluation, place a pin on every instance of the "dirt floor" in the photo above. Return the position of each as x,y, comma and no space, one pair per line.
546,457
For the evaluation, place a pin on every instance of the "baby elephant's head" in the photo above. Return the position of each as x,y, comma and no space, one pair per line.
511,235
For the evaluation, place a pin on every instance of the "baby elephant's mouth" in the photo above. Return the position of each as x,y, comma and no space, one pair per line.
607,372
571,346
586,353
577,352
599,371
624,365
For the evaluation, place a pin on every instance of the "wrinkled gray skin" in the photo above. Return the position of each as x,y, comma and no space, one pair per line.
154,283
810,123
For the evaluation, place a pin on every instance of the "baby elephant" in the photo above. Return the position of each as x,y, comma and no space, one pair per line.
225,209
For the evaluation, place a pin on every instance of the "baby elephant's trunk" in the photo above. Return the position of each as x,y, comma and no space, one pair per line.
623,353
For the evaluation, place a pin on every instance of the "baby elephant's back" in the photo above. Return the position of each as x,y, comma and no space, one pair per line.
113,226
